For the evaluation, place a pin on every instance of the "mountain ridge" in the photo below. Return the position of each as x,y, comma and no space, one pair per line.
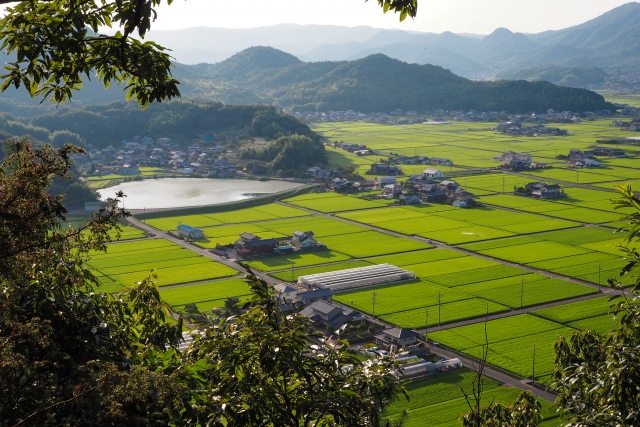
610,41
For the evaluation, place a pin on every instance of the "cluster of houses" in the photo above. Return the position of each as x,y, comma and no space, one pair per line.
350,115
633,125
430,186
513,161
250,246
357,149
439,115
519,129
164,153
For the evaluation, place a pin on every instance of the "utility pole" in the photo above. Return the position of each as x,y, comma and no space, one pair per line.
292,275
426,331
439,308
503,185
373,302
533,367
521,293
598,278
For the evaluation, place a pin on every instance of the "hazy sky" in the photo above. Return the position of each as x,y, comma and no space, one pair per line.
461,16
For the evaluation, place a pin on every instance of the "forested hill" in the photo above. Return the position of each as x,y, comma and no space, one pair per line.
374,83
108,124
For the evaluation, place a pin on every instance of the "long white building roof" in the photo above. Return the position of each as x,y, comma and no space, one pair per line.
357,277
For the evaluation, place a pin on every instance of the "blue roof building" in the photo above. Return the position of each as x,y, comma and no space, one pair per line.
190,232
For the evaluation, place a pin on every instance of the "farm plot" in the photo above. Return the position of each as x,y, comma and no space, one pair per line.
338,203
439,400
448,413
585,256
431,269
572,312
205,292
398,297
600,324
371,243
172,222
553,208
292,275
455,227
128,262
511,342
417,257
445,313
321,226
532,252
373,216
260,213
307,259
532,288
437,389
477,275
127,233
471,233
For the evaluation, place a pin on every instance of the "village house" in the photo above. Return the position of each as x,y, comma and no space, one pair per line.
584,163
303,240
391,191
409,199
580,154
540,190
432,173
609,152
309,297
249,244
364,185
325,314
432,193
128,169
460,197
448,185
338,184
285,294
418,180
396,338
440,161
383,168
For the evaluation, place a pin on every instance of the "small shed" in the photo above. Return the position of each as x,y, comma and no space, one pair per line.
190,232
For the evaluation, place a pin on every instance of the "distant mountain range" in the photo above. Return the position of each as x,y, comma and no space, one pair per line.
362,68
376,83
611,41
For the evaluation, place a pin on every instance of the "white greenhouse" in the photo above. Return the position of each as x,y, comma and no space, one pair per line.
356,277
